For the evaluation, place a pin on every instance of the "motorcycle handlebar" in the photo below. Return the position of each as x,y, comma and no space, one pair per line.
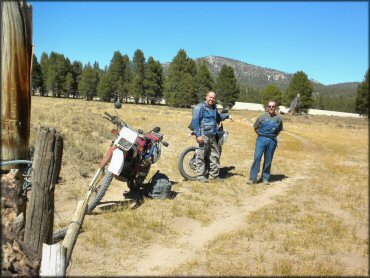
115,120
109,115
118,121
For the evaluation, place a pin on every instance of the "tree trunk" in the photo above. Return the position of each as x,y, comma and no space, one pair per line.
46,168
16,61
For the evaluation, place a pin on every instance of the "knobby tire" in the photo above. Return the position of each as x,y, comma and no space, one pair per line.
188,174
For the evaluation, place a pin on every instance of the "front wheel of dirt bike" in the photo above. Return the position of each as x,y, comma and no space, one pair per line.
187,163
95,198
99,192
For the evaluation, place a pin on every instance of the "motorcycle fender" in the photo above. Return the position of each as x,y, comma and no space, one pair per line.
117,161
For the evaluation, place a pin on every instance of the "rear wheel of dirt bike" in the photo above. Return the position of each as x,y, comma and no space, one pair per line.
187,163
94,200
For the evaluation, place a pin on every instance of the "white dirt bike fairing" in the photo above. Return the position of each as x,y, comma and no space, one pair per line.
124,142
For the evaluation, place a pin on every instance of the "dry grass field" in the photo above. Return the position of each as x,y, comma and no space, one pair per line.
311,220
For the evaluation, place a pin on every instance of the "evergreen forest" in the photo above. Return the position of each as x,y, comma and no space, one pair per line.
183,83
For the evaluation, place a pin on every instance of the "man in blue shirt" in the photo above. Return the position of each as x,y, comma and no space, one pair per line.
267,126
205,126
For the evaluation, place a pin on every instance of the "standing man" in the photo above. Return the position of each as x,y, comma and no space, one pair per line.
206,129
267,126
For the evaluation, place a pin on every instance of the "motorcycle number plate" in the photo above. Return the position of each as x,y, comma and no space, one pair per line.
126,139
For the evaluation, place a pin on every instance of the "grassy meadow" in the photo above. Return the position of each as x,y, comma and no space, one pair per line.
311,220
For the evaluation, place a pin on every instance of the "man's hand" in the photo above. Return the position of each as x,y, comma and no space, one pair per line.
231,118
200,139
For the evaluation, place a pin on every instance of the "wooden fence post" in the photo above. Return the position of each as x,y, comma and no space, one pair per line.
16,62
56,257
46,168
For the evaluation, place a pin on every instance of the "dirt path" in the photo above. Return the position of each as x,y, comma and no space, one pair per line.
157,260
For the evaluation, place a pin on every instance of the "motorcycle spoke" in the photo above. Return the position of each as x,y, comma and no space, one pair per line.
187,163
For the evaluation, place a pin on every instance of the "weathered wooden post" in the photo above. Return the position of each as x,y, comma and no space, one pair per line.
56,257
16,62
46,168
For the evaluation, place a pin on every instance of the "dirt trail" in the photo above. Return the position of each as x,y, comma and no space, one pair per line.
157,260
160,260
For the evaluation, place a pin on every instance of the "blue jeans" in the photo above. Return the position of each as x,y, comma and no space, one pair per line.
264,146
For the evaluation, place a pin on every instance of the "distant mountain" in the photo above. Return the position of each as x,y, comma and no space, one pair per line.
259,77
247,74
348,89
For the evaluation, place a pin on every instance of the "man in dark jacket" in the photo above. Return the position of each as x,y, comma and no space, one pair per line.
205,126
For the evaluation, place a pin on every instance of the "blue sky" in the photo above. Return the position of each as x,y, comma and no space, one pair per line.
329,41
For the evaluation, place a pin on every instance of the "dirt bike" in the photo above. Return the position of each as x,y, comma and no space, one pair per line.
134,153
187,160
131,156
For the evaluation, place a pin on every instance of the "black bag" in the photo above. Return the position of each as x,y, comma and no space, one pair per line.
159,187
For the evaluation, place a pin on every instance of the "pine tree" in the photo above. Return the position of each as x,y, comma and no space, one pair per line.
44,62
362,97
98,73
69,84
116,73
76,74
57,70
153,81
37,79
89,82
179,88
138,89
105,91
204,82
187,87
227,88
272,92
300,85
127,77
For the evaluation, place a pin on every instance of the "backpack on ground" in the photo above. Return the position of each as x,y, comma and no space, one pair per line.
159,187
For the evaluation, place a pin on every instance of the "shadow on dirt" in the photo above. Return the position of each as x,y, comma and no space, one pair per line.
132,202
112,206
173,194
278,177
225,172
